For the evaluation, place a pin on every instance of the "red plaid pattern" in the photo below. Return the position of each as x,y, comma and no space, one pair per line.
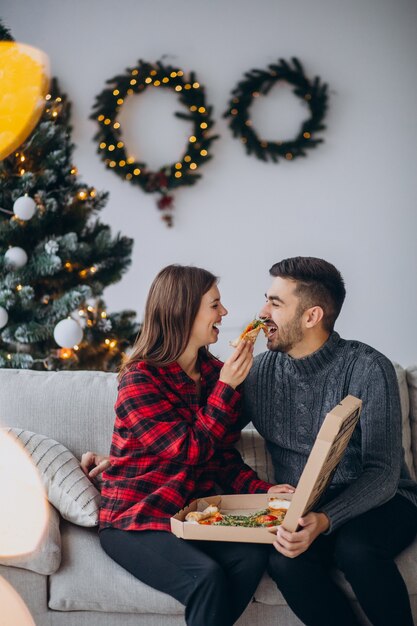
168,448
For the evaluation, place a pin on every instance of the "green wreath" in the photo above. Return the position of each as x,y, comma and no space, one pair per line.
112,148
259,82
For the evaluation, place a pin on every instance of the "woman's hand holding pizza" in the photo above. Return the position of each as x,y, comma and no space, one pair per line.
237,366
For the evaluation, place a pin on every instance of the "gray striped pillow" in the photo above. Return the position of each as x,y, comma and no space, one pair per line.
66,485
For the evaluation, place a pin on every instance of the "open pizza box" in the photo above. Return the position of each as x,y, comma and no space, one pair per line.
325,455
241,504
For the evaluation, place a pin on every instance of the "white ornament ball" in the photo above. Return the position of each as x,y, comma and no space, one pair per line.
24,208
16,258
4,317
68,333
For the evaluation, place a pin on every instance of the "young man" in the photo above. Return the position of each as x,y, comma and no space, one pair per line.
369,513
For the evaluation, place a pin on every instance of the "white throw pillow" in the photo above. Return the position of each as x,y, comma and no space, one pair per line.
66,485
46,558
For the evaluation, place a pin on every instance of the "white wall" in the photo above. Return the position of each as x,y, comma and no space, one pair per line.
351,201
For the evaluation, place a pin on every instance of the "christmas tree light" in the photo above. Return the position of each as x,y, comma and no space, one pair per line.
56,258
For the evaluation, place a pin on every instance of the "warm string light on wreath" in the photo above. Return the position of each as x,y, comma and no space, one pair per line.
259,82
112,149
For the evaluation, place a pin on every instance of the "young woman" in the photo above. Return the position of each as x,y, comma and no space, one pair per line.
176,416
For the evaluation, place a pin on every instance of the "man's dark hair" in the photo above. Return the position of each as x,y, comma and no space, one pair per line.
319,283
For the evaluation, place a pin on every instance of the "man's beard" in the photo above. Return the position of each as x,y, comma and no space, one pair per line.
286,337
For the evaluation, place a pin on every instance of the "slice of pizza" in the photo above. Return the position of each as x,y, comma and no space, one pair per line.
199,516
267,519
213,519
251,332
278,507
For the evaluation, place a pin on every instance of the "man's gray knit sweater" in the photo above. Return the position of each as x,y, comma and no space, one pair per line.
287,400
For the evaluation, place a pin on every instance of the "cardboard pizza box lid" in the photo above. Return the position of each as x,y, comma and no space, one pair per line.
327,451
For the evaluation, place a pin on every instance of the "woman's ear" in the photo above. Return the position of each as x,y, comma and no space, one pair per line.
314,315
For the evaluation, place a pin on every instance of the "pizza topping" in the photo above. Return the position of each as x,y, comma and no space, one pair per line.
213,519
256,520
267,520
275,503
251,332
198,516
272,516
254,324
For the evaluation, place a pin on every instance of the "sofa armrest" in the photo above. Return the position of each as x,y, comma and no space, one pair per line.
411,372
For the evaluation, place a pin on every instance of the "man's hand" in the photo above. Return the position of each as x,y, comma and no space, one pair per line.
281,489
99,462
293,544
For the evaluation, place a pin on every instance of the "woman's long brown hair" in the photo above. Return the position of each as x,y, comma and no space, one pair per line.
172,305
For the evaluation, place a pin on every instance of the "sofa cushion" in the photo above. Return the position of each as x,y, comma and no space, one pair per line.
33,589
66,485
89,580
405,411
253,449
412,389
47,556
75,408
82,582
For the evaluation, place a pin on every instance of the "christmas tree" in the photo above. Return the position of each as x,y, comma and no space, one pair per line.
5,34
56,258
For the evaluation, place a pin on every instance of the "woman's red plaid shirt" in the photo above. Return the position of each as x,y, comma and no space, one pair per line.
169,448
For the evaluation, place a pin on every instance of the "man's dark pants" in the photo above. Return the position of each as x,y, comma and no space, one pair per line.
363,549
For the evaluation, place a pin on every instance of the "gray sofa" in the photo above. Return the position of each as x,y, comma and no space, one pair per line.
76,409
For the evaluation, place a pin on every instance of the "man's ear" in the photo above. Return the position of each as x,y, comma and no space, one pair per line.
313,316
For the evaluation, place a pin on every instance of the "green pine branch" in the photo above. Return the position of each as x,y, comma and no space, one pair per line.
72,256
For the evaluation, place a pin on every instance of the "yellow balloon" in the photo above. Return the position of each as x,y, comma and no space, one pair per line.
24,82
14,610
24,509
